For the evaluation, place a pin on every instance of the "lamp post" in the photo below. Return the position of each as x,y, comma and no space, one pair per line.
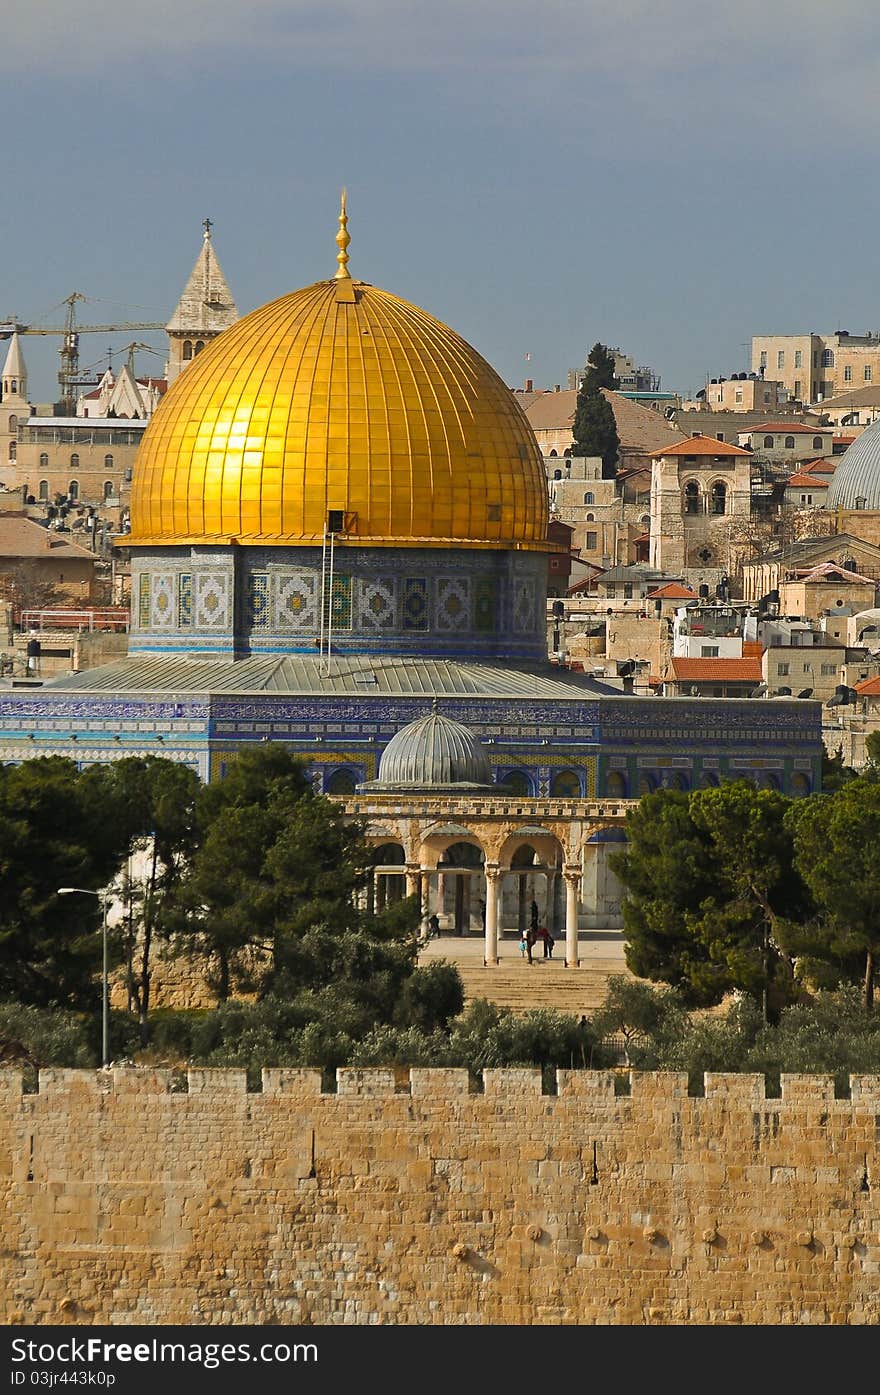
102,897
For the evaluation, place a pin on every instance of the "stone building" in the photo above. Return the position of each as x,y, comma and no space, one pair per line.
700,487
14,409
814,367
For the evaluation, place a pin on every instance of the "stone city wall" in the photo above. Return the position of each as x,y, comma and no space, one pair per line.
132,1196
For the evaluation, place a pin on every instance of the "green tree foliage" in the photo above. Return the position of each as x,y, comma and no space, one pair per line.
595,428
872,752
837,847
158,798
835,773
667,871
712,892
271,900
58,827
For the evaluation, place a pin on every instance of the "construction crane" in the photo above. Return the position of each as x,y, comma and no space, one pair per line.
68,373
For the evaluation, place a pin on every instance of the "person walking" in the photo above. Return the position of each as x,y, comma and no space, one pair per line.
530,944
433,927
522,945
544,933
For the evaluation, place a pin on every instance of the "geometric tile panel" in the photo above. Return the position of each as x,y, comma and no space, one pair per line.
185,600
258,600
144,601
376,603
337,604
524,604
415,603
485,604
453,611
296,606
163,601
212,601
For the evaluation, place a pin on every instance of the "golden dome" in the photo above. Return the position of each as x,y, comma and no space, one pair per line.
340,396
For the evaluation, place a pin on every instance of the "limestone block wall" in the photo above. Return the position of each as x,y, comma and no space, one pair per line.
406,1197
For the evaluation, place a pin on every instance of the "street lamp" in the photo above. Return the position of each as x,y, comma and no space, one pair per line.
102,897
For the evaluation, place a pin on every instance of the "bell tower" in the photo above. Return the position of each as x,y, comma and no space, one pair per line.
204,310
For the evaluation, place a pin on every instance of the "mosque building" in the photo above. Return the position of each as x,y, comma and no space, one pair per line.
339,521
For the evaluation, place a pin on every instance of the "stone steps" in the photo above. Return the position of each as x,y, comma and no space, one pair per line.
546,983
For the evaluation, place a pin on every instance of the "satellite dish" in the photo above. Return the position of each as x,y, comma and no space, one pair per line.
805,693
783,692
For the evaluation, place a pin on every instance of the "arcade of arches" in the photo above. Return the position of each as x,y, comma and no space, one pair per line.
479,862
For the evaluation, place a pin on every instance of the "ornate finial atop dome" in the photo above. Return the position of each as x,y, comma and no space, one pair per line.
342,240
207,225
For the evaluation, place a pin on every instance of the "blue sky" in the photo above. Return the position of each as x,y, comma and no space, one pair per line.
670,177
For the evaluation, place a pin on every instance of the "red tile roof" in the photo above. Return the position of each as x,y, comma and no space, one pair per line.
869,687
701,445
802,481
790,428
671,592
717,670
752,649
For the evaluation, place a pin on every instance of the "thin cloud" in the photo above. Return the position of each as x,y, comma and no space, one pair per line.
547,36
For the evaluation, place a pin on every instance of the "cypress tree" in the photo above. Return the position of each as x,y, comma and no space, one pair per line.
595,429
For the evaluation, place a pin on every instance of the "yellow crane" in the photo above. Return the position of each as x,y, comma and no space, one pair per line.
68,373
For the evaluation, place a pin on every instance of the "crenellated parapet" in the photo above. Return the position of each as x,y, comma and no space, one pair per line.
429,1195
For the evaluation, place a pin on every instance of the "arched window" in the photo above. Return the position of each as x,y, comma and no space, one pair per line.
516,782
692,497
591,518
817,443
108,462
108,489
200,344
800,785
13,423
647,784
74,461
567,452
719,497
789,443
44,460
554,454
13,449
340,781
615,785
557,474
768,442
44,490
708,780
678,781
588,497
827,358
73,489
187,350
645,520
566,784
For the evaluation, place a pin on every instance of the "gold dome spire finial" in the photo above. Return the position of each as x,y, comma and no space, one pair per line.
343,238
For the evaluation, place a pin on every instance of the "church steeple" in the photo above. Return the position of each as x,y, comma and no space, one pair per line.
204,310
14,372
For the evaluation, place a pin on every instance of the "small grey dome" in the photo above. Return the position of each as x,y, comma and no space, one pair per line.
434,750
856,482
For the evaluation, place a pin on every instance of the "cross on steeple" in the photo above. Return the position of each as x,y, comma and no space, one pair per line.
207,225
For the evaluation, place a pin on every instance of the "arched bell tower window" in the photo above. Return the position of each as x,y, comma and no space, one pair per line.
187,350
719,497
692,497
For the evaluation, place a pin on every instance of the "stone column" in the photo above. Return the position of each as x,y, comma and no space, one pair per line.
414,881
493,881
572,877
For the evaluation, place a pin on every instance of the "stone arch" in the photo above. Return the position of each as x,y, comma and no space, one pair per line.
615,785
718,502
646,783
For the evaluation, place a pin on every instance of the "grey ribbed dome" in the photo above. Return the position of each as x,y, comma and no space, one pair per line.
434,751
857,477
